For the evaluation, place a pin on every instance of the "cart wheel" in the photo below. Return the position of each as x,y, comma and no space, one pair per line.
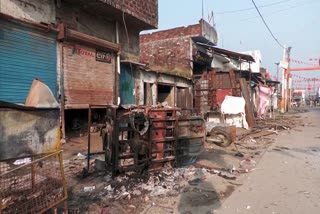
220,137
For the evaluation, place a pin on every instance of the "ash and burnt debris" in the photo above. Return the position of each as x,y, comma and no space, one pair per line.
146,138
220,165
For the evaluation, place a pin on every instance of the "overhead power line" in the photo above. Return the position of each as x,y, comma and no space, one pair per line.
250,8
265,23
282,10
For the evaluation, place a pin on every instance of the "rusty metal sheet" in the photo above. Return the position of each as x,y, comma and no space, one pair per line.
87,80
222,93
28,131
34,184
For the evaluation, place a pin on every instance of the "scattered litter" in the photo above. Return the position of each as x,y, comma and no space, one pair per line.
239,154
215,171
125,195
248,207
136,192
232,169
108,188
282,147
158,190
89,188
227,176
251,141
80,156
22,161
247,164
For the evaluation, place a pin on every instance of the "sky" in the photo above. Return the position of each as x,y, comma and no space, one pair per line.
295,23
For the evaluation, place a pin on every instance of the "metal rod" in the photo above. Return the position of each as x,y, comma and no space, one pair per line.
64,182
89,140
62,103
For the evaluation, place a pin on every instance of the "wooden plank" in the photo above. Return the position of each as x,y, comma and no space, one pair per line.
248,107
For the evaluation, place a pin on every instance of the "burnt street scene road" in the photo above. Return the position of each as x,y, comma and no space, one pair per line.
287,176
156,107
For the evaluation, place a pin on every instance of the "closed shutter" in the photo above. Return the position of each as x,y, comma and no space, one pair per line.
25,53
86,79
126,85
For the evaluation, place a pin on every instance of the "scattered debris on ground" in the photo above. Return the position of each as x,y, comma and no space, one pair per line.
144,193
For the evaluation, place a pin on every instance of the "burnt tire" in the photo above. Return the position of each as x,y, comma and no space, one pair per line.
221,136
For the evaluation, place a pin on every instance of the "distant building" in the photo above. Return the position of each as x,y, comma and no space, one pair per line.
256,65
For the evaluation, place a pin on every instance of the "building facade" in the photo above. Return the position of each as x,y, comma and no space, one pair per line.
75,47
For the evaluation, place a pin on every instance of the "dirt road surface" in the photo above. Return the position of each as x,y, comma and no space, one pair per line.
287,178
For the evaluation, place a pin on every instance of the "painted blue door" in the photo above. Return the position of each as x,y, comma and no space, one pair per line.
25,54
126,85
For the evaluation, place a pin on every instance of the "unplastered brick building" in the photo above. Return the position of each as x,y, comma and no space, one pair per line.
179,50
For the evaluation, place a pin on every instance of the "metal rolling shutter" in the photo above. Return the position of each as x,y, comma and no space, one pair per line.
86,80
25,54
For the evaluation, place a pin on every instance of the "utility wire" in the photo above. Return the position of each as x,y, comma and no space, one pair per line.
278,11
250,8
265,23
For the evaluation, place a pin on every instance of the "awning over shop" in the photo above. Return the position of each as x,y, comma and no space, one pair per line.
227,53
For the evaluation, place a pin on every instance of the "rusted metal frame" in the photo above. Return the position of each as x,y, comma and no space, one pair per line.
197,92
115,145
89,140
213,87
175,92
89,133
64,184
165,140
28,164
209,95
123,118
233,82
116,82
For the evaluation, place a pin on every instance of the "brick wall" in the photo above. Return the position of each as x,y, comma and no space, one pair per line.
169,50
144,10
